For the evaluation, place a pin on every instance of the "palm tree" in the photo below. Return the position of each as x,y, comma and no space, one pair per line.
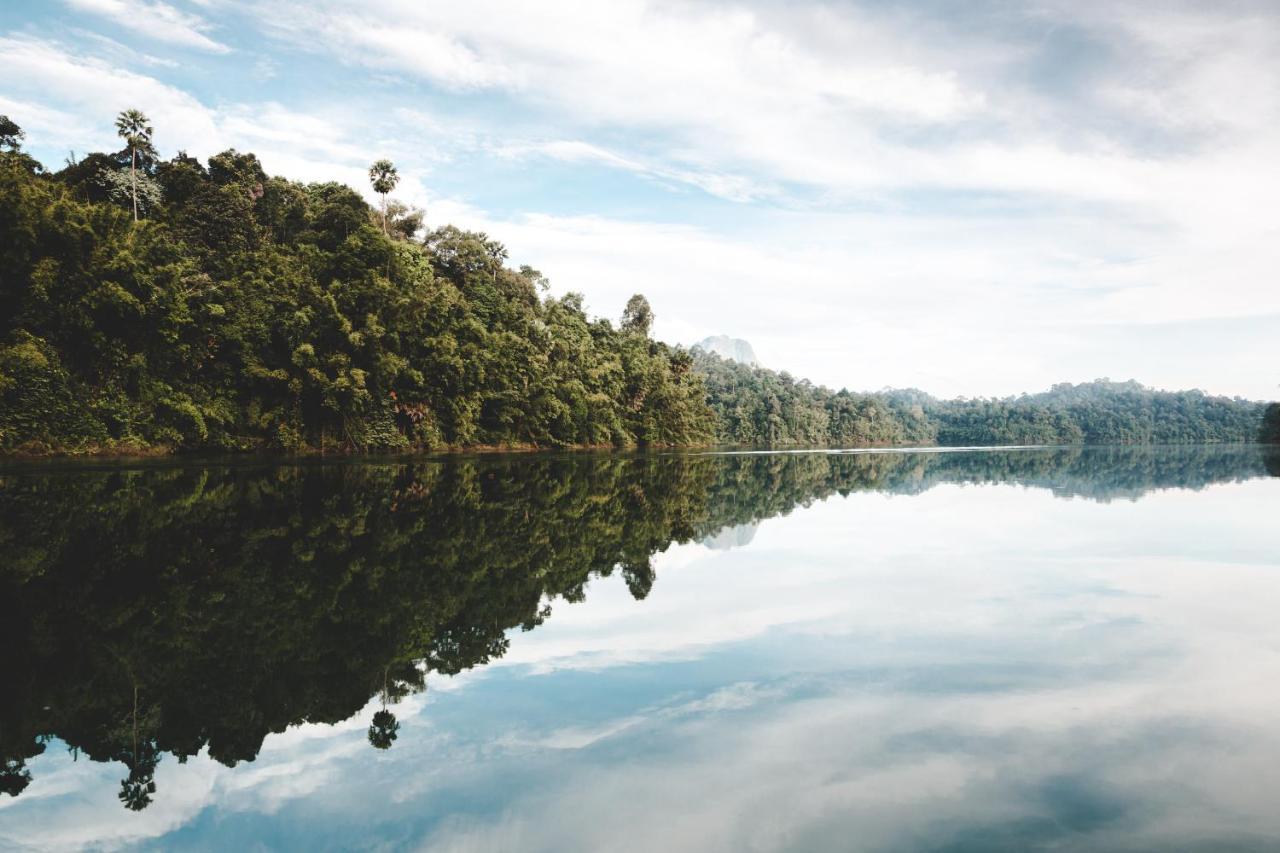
384,177
384,728
135,129
138,787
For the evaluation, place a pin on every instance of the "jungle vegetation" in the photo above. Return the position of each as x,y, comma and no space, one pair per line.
1271,424
160,305
755,406
242,311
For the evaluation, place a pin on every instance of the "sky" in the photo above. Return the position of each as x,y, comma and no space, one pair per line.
973,199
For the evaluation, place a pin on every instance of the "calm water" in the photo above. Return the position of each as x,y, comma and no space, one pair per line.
1002,650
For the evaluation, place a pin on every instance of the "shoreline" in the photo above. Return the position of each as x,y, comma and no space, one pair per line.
163,454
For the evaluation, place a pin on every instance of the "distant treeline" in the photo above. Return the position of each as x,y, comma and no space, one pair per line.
160,305
754,406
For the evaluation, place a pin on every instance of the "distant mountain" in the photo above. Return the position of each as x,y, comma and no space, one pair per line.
734,349
731,537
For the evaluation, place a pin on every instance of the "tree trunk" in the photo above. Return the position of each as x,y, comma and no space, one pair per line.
384,214
133,180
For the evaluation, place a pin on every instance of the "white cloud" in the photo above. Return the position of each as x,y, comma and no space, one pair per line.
156,20
726,186
925,201
93,90
381,37
1136,197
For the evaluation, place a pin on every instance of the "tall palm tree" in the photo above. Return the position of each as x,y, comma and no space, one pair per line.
135,129
384,728
384,178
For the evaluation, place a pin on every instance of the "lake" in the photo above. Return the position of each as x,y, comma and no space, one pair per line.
1020,649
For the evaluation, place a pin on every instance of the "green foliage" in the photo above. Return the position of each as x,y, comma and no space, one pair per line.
11,135
1271,425
637,317
253,312
383,176
119,186
38,407
134,128
754,406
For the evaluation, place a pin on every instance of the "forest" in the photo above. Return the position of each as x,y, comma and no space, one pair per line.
756,406
177,305
139,622
151,306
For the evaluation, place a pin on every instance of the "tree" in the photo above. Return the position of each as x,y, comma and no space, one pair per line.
1271,424
135,129
143,192
10,134
383,730
535,277
384,177
14,776
403,221
637,317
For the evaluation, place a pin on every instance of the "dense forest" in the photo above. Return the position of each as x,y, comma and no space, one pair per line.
149,303
139,622
754,406
1271,424
152,305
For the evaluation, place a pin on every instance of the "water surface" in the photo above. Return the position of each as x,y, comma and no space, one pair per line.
1072,649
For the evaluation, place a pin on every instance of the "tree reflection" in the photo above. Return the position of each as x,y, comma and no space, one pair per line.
383,729
169,610
136,789
14,776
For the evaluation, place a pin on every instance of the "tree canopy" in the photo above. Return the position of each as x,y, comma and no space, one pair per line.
1270,432
10,134
246,311
756,406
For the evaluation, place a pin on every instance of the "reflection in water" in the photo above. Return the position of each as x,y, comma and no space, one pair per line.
737,536
170,610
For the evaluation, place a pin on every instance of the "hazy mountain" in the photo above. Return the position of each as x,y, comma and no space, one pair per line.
734,349
734,536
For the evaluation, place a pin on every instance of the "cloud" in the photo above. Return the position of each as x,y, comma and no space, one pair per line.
873,195
94,90
925,179
850,102
155,20
726,186
382,37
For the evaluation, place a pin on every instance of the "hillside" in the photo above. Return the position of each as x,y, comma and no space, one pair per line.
758,406
155,306
244,311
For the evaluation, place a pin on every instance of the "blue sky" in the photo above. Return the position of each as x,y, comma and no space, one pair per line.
976,199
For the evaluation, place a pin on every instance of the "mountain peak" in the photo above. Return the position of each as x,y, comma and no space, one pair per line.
734,349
